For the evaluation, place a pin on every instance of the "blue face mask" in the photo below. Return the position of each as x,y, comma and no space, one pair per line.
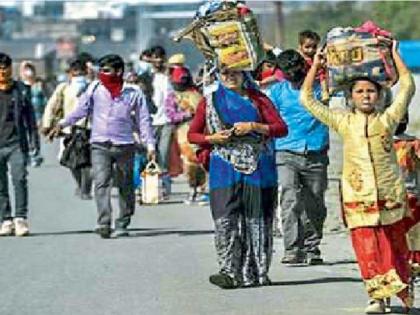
79,83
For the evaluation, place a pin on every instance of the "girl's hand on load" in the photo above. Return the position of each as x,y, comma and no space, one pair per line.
243,128
320,59
395,45
220,137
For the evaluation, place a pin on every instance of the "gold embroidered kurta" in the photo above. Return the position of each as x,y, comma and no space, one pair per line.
372,187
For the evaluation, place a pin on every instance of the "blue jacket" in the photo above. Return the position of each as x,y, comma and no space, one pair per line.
306,133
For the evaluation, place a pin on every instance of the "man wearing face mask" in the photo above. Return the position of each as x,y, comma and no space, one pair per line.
61,103
18,137
302,162
117,110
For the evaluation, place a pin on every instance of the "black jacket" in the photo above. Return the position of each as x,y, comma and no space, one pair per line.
24,115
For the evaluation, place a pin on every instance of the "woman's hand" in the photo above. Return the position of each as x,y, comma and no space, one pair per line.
243,128
220,137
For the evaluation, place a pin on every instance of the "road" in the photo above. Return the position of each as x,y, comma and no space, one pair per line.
162,268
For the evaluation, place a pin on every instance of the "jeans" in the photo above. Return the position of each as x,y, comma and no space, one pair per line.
107,159
13,157
163,140
303,180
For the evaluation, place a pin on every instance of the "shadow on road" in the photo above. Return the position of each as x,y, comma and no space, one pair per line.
141,232
401,310
170,232
339,262
316,281
81,232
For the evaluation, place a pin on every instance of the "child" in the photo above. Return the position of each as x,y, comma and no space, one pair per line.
374,196
308,45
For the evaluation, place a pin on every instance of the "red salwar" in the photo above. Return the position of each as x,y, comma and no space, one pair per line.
383,257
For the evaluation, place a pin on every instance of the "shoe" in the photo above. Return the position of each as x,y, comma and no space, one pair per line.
104,231
203,199
314,259
190,199
375,307
293,259
223,281
265,281
7,228
120,232
86,197
21,226
36,161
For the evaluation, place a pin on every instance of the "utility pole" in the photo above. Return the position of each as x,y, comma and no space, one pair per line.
279,31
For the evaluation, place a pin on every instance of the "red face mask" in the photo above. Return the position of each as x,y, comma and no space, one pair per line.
267,73
113,82
179,74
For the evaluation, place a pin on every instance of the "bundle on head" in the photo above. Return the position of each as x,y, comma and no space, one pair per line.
226,31
364,51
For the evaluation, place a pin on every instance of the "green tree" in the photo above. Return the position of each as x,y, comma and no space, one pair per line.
399,17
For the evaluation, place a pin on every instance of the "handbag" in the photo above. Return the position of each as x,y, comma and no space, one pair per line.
152,184
76,153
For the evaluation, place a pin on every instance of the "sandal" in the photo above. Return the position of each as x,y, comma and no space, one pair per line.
375,307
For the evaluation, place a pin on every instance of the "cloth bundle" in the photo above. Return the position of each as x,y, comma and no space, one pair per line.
359,52
226,31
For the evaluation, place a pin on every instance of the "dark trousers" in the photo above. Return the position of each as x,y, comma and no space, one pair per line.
13,157
107,159
303,180
83,178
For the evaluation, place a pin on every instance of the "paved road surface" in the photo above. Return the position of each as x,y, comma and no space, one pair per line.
64,269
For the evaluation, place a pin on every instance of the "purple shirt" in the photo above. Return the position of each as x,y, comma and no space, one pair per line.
116,119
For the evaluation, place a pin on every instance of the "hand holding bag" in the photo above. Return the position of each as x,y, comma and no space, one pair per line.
76,153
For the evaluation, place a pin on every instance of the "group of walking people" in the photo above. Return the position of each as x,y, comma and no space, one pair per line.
248,136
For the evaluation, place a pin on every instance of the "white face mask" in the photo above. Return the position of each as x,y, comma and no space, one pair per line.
28,73
79,83
143,67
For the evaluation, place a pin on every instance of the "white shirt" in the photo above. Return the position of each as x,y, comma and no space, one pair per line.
161,89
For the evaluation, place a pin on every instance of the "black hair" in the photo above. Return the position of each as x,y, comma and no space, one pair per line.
145,53
290,59
158,51
308,34
355,80
77,65
85,57
30,65
113,61
5,60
